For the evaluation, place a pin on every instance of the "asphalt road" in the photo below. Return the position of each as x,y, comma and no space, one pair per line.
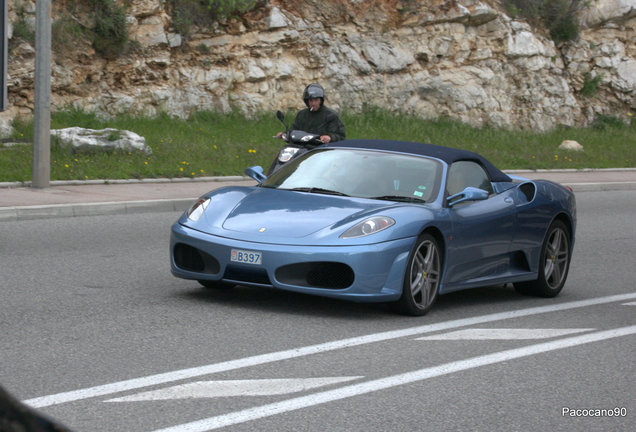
96,333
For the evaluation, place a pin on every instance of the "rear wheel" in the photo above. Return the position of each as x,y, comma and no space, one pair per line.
553,265
422,277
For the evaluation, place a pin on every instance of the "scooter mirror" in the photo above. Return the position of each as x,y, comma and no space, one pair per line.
281,117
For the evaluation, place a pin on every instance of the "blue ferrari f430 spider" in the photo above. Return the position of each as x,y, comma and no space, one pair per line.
380,221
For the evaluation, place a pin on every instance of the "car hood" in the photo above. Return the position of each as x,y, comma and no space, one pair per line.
268,215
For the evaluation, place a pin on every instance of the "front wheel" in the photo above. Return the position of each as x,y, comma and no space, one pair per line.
553,265
422,277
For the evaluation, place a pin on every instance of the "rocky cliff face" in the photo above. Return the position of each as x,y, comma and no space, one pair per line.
465,59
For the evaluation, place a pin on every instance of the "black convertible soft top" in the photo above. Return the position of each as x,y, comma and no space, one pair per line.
446,154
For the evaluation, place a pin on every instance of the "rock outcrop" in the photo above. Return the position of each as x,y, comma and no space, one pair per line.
109,139
463,59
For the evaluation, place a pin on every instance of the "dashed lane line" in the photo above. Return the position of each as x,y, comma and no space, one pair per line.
272,409
183,374
505,333
232,388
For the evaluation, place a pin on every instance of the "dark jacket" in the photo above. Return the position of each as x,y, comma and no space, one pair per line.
325,121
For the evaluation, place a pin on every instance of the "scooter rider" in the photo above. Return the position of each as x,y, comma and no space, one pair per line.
317,118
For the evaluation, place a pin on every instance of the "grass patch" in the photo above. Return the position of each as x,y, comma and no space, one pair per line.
214,144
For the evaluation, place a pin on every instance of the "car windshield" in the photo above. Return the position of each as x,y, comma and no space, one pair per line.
361,173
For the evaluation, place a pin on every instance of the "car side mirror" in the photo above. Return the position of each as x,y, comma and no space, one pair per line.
468,194
257,173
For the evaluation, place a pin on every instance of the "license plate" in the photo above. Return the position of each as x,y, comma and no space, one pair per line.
246,256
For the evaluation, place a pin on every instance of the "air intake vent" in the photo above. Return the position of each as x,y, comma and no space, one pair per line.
328,275
192,259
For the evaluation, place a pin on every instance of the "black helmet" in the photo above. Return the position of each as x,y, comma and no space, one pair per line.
313,91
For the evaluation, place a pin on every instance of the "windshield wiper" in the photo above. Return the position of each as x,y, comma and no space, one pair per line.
318,190
400,198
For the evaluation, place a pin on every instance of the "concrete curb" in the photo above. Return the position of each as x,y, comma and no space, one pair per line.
93,209
127,181
18,184
606,181
568,170
182,204
598,187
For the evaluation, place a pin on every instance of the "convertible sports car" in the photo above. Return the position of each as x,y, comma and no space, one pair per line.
380,221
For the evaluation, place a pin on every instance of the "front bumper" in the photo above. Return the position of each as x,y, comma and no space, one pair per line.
365,273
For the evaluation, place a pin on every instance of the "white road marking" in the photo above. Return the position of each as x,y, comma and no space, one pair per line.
228,388
152,380
629,304
504,334
392,381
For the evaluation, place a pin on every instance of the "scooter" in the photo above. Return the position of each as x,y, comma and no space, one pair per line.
297,143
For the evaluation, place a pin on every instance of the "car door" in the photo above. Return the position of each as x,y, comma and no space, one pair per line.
481,230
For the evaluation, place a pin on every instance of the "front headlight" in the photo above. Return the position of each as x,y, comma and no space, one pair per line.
197,209
287,153
369,226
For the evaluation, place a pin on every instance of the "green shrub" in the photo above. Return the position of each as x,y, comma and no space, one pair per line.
110,31
558,16
602,122
591,84
21,29
203,48
522,8
205,13
65,34
564,29
227,8
114,136
186,14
